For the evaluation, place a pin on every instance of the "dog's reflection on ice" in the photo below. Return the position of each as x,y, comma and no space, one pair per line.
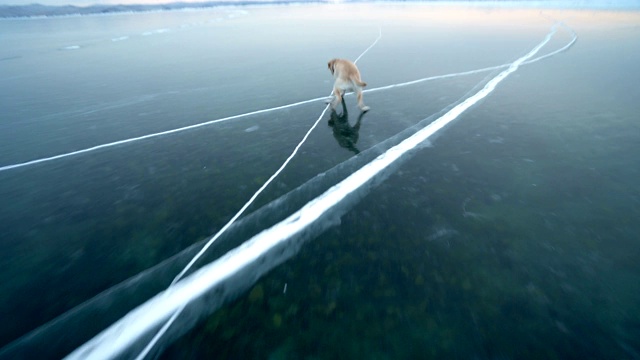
345,134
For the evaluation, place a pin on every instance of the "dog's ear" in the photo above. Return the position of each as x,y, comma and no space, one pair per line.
331,65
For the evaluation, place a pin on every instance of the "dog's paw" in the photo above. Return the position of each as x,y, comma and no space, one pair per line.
365,108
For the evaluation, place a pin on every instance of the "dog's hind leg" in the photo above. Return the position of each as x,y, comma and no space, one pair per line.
361,104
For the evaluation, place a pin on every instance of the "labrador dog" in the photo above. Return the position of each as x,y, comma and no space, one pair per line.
347,79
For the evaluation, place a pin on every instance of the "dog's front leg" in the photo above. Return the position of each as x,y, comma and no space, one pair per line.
331,99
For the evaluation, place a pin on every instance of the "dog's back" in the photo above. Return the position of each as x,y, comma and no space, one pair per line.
346,70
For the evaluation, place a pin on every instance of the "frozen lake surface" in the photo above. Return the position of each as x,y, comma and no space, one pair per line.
128,140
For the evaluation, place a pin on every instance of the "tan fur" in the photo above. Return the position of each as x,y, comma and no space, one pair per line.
347,79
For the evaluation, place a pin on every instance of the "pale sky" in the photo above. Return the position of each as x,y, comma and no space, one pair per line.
580,3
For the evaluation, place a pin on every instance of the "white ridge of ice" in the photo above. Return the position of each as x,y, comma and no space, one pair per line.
211,240
156,31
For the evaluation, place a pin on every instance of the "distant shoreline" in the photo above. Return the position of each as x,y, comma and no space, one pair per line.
40,11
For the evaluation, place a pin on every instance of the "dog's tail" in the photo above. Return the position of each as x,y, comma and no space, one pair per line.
360,83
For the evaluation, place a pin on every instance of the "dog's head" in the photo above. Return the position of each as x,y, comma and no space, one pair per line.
332,65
